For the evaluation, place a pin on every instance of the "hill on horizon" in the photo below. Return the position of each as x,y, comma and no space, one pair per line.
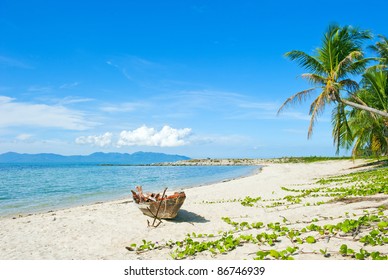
98,158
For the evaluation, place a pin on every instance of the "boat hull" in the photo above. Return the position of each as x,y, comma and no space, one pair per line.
168,208
156,205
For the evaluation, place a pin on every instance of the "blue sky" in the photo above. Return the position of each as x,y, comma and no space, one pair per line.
198,78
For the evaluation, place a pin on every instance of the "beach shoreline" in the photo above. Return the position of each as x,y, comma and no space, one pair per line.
104,230
28,211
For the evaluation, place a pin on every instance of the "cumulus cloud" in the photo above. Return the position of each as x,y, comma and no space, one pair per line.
142,136
14,113
99,140
148,136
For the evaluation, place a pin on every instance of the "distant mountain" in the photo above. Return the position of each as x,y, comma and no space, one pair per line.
98,158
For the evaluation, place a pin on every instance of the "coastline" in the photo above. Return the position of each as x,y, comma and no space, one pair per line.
103,230
121,193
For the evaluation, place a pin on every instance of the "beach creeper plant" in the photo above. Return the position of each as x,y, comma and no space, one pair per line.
369,229
364,183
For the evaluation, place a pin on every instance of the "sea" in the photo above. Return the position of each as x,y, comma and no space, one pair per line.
33,188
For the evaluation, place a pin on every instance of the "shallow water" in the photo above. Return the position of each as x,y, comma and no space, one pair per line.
26,188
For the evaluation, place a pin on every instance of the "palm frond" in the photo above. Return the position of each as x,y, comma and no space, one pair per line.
344,63
316,108
314,79
376,84
306,61
340,42
381,48
356,35
357,145
376,144
349,85
298,97
353,64
342,134
383,66
358,67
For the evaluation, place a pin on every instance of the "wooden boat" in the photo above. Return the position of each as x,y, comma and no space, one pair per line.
158,206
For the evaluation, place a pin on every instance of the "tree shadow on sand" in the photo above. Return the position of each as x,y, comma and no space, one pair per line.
189,217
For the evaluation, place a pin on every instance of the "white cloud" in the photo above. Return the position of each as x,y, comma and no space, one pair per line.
295,131
220,139
100,140
134,68
5,99
73,100
266,106
70,85
39,88
23,137
295,116
124,107
11,62
148,136
40,115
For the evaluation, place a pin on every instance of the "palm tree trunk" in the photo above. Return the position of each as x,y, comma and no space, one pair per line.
365,108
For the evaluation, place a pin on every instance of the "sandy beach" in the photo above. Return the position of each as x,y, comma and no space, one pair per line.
104,230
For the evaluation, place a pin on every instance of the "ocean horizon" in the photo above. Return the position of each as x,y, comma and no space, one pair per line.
37,187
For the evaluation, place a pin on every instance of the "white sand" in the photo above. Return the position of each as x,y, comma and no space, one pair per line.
102,231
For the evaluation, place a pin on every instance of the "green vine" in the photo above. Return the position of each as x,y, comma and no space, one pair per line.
372,227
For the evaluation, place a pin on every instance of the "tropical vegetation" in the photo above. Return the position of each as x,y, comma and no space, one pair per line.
360,109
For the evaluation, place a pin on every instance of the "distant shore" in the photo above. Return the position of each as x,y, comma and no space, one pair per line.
246,161
115,230
201,162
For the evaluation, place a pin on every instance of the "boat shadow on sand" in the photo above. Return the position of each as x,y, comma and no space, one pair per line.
185,216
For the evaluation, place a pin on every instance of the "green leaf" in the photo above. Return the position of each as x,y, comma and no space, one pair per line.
344,249
274,254
291,250
360,256
310,239
382,225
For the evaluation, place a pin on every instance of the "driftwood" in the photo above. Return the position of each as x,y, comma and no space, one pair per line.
158,206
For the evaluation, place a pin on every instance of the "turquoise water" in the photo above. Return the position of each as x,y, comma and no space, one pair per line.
27,188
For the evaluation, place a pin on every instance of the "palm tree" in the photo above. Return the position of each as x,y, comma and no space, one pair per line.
381,48
368,131
339,57
375,83
368,136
